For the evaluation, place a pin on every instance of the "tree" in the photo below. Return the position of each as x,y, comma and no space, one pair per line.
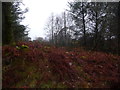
118,30
79,13
62,29
58,26
40,39
97,16
12,30
6,30
99,24
50,28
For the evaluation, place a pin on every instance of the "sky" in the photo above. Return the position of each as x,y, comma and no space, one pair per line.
38,14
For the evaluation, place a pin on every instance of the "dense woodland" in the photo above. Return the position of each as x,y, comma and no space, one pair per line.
82,49
94,26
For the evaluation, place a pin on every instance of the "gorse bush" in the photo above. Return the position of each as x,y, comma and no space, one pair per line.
22,47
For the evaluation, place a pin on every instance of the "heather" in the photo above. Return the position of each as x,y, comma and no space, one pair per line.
37,65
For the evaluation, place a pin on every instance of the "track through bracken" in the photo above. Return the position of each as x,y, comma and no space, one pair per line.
43,66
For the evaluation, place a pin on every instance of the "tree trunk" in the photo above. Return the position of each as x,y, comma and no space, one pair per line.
52,31
96,33
84,31
118,31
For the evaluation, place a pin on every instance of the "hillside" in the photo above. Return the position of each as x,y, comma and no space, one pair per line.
34,65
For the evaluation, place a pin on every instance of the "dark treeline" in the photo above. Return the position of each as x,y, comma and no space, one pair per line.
12,30
92,25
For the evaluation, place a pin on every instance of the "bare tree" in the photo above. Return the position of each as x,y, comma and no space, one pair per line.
79,13
49,27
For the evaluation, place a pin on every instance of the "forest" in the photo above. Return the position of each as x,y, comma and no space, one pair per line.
82,49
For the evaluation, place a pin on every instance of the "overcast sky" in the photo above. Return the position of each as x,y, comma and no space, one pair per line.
39,12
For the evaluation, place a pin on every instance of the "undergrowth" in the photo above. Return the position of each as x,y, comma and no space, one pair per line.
34,65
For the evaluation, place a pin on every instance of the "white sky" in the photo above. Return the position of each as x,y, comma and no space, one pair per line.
39,12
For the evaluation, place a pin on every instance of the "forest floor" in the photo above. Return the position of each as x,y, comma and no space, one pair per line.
34,65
